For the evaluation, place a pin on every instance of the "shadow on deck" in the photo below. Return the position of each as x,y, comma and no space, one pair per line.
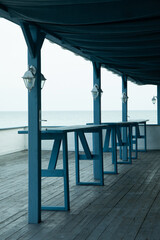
127,207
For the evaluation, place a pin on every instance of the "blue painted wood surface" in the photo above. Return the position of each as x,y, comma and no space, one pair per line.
111,131
158,104
59,134
119,141
88,156
59,138
96,114
124,116
141,124
34,111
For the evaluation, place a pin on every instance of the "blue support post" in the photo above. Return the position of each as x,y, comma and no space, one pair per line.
130,144
124,115
96,115
114,150
158,104
77,167
145,138
34,38
66,173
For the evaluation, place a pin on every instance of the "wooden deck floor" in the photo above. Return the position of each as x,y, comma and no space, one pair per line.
127,207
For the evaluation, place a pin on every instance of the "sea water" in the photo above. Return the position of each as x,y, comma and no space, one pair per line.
65,118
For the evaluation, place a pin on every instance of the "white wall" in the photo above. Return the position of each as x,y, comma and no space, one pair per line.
11,141
153,137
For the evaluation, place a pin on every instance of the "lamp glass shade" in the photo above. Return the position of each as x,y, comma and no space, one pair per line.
29,83
29,79
30,76
124,97
95,91
154,100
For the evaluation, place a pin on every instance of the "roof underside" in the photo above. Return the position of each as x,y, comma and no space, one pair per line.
124,36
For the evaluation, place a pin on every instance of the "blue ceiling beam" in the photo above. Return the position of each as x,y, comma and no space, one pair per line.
32,46
28,38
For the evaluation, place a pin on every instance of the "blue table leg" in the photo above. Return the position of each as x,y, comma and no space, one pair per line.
134,140
143,136
53,172
77,158
106,141
114,152
127,144
101,157
66,173
145,139
124,152
98,157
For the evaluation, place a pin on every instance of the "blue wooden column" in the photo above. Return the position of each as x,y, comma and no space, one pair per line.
96,116
124,115
34,40
158,104
124,104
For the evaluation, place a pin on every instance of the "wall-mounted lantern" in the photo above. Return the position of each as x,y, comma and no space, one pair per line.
30,76
96,91
124,97
154,98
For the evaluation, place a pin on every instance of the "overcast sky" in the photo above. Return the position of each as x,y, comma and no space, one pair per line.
69,78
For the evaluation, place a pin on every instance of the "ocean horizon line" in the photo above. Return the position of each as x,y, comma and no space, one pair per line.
78,117
78,110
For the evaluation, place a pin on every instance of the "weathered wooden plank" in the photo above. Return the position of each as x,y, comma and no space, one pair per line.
127,207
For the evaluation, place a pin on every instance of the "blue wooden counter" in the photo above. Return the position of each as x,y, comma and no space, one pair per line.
127,139
59,135
140,123
123,139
